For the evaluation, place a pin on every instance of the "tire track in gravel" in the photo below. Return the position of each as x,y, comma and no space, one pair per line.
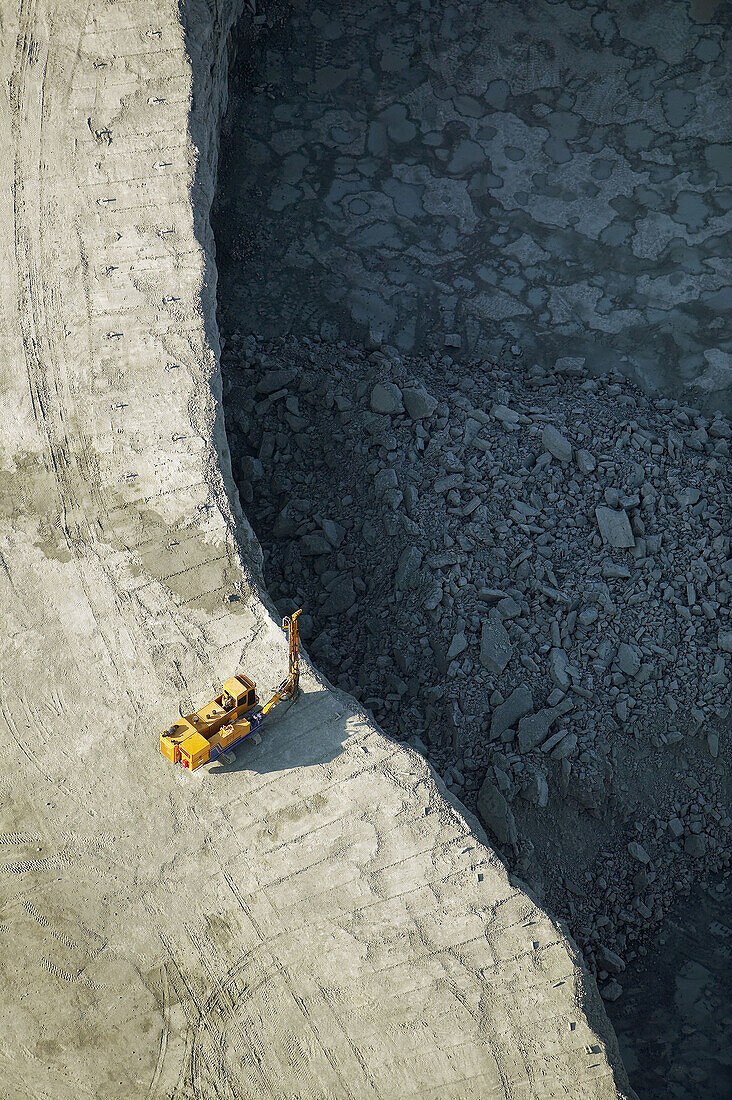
56,406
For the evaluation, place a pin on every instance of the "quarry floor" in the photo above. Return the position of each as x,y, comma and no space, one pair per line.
326,916
322,918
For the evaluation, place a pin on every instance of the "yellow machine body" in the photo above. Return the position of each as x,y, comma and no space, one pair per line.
211,730
182,741
194,751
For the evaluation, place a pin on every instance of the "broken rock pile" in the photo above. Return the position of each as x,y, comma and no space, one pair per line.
525,573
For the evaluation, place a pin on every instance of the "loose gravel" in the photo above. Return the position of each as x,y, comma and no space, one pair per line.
525,572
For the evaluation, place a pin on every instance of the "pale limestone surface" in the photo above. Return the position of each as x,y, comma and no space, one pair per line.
317,920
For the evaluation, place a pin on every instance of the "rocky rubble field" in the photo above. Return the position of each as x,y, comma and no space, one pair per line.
525,573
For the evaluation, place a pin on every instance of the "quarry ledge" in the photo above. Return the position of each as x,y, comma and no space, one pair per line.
327,870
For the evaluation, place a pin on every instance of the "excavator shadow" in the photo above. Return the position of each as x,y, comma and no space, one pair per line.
308,731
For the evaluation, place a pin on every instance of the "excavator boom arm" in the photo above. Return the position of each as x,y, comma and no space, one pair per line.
290,624
289,688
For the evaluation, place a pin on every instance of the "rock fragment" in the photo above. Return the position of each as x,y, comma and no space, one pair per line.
556,444
610,960
558,667
505,716
251,468
285,525
629,659
334,533
614,527
458,645
585,461
536,789
637,851
447,482
495,646
385,479
508,417
533,729
695,845
419,403
509,608
496,813
688,497
386,399
572,366
565,747
408,565
315,544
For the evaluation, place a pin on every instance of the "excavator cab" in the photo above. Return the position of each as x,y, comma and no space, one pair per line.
239,694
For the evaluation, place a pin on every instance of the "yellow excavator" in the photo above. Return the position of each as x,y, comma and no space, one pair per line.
228,720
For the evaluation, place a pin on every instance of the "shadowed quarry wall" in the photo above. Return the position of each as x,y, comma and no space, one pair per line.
318,920
548,173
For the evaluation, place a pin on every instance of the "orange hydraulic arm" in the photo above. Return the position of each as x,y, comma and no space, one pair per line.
289,688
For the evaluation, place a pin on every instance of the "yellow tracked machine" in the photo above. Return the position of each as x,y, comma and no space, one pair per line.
229,719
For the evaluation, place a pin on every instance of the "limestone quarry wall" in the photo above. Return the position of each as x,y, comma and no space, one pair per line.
547,175
317,919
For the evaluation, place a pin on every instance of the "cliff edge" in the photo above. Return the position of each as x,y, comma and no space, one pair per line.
317,920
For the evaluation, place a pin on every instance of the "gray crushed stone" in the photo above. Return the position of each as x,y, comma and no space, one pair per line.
526,576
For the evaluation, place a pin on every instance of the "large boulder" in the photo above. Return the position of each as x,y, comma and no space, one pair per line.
419,404
533,729
495,646
340,598
275,380
505,716
386,399
614,527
